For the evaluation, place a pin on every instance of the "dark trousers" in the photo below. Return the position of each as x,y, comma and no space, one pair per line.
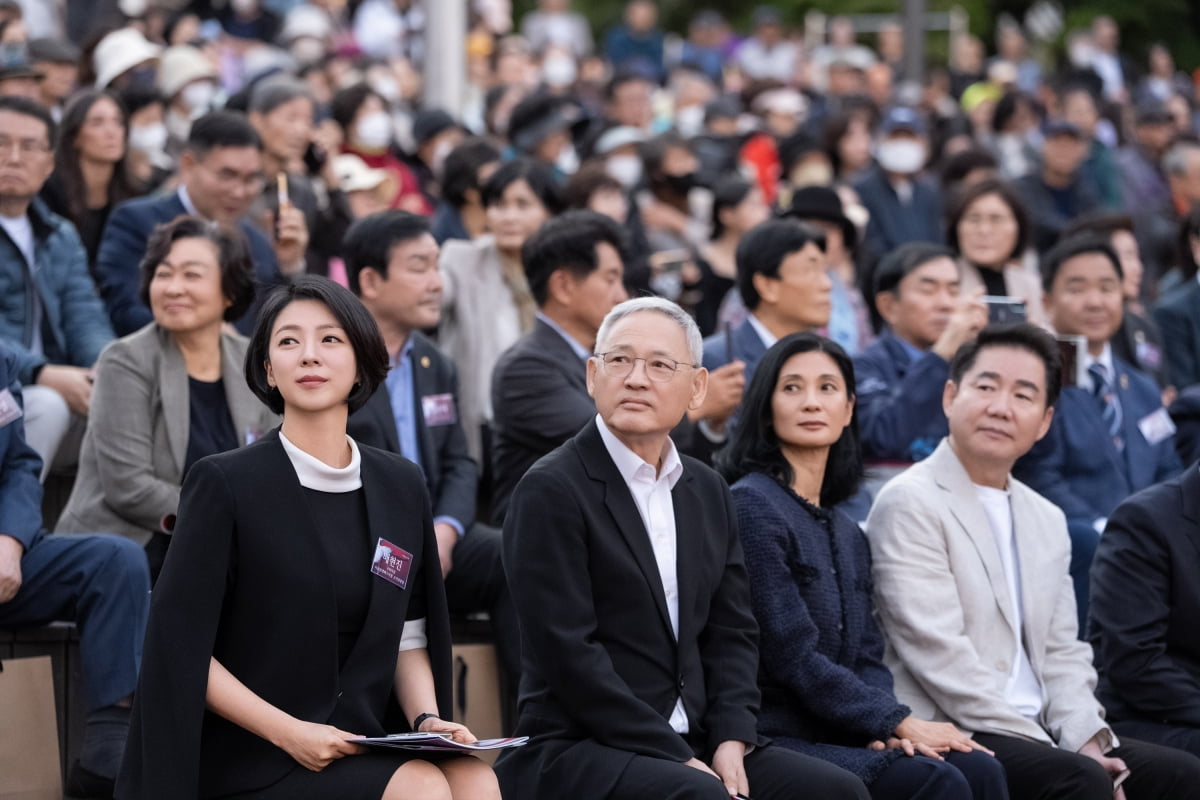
773,773
962,776
476,583
1181,737
101,584
1041,772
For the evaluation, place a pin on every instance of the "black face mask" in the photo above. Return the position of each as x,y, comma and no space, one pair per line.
680,184
142,77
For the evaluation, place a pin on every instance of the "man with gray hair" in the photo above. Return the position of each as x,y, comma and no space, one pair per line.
639,650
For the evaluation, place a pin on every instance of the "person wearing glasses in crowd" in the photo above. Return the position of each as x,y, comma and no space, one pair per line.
638,642
55,324
220,175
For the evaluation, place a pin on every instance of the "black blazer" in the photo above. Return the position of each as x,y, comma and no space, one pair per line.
601,668
450,473
1178,318
539,400
245,582
1145,599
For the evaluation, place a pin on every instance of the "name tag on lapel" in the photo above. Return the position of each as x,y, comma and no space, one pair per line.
1156,426
10,409
392,563
438,409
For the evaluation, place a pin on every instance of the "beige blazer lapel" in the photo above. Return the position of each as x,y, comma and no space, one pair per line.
960,499
173,390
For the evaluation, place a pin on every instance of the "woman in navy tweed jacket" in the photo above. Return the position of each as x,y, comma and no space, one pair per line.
825,689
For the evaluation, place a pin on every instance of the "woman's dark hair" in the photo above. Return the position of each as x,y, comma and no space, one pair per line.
1007,107
591,178
1005,192
1021,336
755,446
121,185
370,354
538,176
460,173
728,193
1189,229
763,249
835,128
233,259
346,103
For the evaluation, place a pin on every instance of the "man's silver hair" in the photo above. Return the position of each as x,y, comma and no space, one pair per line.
1175,162
658,305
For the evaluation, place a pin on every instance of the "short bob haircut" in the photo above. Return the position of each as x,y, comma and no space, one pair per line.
1072,247
763,249
755,446
233,258
1021,336
898,264
537,176
370,354
568,242
1006,193
729,193
369,242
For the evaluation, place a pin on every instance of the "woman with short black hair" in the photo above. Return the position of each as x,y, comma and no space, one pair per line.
825,689
301,605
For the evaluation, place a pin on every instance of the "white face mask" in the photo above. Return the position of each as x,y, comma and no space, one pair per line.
198,97
148,139
559,71
374,131
689,121
568,160
625,170
901,156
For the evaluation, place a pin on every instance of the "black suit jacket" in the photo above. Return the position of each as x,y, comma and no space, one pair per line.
539,400
450,473
246,582
1178,318
1145,599
601,668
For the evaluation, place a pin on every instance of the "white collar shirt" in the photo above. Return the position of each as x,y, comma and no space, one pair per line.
651,490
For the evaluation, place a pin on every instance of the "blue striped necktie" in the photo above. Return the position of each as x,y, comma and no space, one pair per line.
1110,404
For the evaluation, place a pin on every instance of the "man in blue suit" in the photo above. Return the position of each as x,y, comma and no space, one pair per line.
1111,435
782,278
220,176
101,582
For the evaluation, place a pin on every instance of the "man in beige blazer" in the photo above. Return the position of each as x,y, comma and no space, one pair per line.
972,587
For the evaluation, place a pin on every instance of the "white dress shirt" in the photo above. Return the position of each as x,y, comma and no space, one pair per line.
651,490
1022,690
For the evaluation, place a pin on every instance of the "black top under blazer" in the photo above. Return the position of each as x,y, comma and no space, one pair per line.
245,582
601,668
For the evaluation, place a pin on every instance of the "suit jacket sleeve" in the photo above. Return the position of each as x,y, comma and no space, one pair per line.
85,323
729,644
1130,614
163,754
121,428
918,602
117,274
1043,468
459,473
893,414
520,394
790,636
1177,338
546,561
20,469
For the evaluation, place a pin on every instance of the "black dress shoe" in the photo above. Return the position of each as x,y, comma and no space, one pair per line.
87,785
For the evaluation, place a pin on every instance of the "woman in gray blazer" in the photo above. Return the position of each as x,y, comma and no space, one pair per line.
171,393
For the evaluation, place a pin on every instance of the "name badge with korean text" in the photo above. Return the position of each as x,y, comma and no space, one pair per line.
10,409
438,409
392,563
